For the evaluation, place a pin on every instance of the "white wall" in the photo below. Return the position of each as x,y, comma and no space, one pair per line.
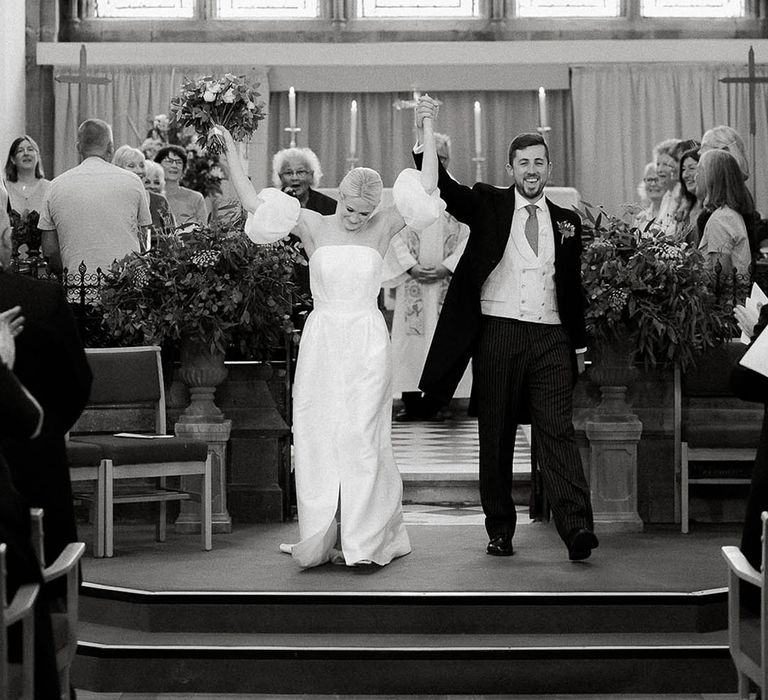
12,95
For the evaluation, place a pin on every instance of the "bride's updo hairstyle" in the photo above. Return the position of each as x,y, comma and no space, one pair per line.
362,183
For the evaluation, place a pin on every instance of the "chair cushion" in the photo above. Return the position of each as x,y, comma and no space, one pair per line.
83,454
123,450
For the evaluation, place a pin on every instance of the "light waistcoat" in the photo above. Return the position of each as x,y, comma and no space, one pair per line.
522,285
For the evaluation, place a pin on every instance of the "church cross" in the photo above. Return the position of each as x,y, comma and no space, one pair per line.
83,81
752,79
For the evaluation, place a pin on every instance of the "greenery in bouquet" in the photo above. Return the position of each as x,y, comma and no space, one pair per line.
655,295
203,172
230,101
205,284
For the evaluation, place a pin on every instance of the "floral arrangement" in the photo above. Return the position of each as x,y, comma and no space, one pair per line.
229,101
656,296
207,285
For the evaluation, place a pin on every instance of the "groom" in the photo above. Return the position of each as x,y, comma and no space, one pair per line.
515,306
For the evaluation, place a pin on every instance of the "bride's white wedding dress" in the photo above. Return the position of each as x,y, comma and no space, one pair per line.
342,397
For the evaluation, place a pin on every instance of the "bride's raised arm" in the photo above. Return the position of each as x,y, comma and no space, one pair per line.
272,214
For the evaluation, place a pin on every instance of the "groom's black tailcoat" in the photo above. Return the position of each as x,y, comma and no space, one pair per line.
488,211
521,372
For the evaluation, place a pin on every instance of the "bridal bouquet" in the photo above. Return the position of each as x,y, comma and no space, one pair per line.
230,101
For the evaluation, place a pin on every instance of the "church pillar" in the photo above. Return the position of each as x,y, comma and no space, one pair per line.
12,55
37,88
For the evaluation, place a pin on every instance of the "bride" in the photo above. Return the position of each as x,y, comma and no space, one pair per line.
349,490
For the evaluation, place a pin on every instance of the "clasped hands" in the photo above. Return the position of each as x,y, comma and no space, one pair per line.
426,108
428,274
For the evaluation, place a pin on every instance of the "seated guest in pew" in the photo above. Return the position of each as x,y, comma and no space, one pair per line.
51,364
21,416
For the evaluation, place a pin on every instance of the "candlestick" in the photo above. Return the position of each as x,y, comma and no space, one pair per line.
478,139
292,107
543,108
353,129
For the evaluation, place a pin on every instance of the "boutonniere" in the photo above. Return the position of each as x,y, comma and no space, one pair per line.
567,230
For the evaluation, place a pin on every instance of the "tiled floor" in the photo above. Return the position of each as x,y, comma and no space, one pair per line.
448,448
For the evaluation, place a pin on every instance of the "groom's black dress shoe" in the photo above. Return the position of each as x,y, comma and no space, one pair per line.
581,542
500,546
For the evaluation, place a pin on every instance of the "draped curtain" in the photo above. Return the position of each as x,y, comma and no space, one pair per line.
386,135
133,96
621,111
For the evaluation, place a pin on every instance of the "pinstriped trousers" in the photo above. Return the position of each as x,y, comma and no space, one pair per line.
524,369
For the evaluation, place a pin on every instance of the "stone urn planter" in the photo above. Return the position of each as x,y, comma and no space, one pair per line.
614,432
202,371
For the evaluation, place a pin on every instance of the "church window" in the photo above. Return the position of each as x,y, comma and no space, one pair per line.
569,8
267,9
418,8
693,8
135,9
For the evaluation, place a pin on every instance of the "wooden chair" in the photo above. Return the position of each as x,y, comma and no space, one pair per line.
128,390
64,620
748,632
17,680
714,429
86,465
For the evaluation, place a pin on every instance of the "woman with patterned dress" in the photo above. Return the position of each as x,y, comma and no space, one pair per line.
349,491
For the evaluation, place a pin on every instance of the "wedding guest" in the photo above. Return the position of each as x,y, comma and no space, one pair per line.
418,266
21,417
726,138
720,185
297,171
26,185
342,408
94,212
651,191
132,159
187,206
689,207
51,363
24,176
664,156
150,146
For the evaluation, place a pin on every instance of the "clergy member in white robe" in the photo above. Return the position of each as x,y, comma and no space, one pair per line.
418,266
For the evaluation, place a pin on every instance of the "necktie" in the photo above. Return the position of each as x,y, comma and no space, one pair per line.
532,228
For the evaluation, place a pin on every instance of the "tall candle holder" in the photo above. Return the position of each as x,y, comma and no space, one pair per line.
352,162
293,130
479,162
544,130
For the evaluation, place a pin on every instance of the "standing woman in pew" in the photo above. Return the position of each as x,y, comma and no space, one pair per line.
21,416
342,415
753,386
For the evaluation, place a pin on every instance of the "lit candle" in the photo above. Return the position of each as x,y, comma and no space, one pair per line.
478,140
542,107
292,107
353,129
